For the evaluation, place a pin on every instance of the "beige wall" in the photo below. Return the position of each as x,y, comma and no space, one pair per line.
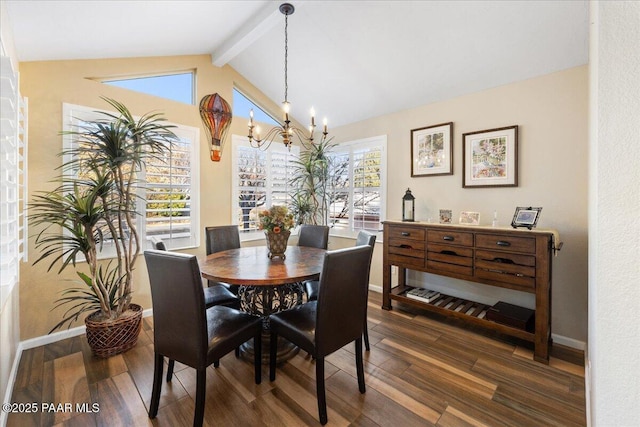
551,112
51,83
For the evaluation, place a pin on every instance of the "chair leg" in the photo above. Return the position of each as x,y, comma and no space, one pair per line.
257,352
157,385
201,388
237,352
170,369
360,366
273,353
366,336
322,398
216,364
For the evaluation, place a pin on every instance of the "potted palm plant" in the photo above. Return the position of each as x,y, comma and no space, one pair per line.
93,205
310,183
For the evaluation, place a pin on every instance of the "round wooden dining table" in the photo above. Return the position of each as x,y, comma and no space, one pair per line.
266,285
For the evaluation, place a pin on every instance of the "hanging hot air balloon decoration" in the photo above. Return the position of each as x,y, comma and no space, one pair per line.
216,116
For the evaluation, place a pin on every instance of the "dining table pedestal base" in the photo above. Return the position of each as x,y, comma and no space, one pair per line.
263,301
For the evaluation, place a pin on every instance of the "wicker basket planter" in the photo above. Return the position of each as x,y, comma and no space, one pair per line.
108,338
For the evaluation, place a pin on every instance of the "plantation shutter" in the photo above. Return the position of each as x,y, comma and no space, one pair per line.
358,174
13,114
171,208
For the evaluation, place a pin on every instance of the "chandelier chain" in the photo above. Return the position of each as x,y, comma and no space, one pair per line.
286,55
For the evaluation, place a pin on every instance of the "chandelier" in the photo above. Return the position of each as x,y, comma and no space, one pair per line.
285,131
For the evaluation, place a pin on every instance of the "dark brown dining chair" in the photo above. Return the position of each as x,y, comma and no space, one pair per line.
220,238
187,332
314,236
311,286
332,321
213,295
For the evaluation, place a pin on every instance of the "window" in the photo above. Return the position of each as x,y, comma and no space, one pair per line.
13,116
243,105
168,209
260,179
358,185
177,87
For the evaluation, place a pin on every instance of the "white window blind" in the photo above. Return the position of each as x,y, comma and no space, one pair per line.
260,180
358,185
171,211
13,116
167,207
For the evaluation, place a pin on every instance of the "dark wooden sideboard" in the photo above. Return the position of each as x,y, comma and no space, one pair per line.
516,259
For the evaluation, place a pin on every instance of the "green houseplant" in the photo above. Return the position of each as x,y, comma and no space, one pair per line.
311,194
95,203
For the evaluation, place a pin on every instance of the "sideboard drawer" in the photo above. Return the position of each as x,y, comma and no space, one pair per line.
509,268
450,237
506,242
411,233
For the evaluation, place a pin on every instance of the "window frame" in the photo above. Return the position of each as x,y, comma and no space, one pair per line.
71,113
111,80
350,147
242,141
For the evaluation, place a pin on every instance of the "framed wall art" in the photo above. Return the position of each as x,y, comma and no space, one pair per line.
431,150
526,217
490,158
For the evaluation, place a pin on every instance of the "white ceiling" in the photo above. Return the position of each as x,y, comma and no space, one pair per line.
351,60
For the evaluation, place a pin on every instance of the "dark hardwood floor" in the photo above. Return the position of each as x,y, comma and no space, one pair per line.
421,371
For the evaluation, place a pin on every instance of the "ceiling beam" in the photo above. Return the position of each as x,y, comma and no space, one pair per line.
250,31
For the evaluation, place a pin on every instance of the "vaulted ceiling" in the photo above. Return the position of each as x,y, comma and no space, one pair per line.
350,60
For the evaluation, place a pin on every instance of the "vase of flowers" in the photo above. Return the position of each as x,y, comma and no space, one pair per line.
277,223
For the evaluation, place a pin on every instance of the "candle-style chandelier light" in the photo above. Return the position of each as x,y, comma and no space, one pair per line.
285,131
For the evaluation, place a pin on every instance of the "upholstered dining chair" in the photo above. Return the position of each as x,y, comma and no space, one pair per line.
187,332
220,238
311,286
335,319
216,294
314,236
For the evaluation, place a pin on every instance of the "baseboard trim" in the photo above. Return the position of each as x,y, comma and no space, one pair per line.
569,342
61,335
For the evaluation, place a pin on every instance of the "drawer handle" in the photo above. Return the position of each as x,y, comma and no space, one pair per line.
448,238
502,243
503,260
405,234
448,253
406,246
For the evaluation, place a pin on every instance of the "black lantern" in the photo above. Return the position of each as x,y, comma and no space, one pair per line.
408,206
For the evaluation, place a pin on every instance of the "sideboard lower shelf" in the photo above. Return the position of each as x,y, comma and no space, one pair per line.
470,311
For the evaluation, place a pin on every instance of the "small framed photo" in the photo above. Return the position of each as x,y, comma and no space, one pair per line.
526,217
469,218
431,149
490,158
445,216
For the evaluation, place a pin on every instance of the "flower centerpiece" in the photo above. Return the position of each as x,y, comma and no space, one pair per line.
277,223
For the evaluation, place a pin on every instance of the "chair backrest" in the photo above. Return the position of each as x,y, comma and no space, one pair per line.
342,298
179,318
365,238
221,238
158,244
314,236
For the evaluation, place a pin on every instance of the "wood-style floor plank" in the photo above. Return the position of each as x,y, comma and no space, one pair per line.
422,370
